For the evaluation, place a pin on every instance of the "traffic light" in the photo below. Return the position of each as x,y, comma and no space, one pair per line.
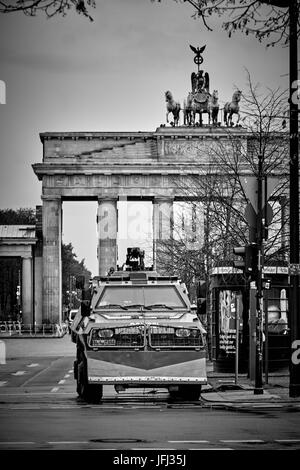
249,262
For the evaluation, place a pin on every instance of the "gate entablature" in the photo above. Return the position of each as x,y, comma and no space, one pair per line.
89,165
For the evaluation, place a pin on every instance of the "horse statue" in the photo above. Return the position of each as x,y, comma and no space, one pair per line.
172,107
213,108
188,112
232,108
196,103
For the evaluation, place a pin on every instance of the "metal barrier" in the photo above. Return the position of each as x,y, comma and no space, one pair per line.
16,328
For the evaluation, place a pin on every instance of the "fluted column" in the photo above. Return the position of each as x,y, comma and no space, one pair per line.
162,228
52,311
27,290
107,221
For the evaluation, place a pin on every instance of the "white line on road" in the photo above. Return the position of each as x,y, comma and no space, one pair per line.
55,389
20,372
16,443
241,440
66,376
189,442
3,383
34,364
287,440
61,382
67,442
152,448
213,448
71,371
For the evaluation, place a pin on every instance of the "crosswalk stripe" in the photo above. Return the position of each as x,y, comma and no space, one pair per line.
19,372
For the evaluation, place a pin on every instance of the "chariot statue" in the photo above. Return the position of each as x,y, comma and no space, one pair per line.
199,100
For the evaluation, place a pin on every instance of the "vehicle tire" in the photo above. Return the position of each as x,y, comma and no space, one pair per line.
91,393
187,393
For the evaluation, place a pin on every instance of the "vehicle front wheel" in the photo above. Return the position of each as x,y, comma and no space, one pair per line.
91,393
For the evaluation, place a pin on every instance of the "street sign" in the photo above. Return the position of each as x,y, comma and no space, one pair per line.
251,215
249,184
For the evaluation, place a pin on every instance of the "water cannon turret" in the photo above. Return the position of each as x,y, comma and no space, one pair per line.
135,259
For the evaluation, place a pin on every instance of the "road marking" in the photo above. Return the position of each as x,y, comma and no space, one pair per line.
3,383
55,389
213,448
151,448
20,372
66,376
189,442
32,365
70,371
16,443
67,442
241,440
61,382
287,440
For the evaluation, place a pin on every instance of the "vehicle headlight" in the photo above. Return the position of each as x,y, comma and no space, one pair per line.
182,332
105,333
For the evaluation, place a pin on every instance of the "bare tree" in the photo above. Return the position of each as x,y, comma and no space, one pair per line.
265,19
218,200
49,7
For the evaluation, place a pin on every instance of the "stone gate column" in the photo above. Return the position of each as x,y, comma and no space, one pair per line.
52,240
163,221
107,221
27,290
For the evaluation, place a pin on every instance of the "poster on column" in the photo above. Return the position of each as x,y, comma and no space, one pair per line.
230,305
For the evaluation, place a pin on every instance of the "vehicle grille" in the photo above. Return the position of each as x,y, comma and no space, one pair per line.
166,338
127,337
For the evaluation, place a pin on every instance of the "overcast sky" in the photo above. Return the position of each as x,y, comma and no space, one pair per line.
70,74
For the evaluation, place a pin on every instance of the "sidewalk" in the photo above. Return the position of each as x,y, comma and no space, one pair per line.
224,388
37,347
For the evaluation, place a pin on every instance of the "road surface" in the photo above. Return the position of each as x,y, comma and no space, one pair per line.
39,409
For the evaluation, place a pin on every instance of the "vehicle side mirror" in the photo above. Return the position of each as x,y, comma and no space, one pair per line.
85,308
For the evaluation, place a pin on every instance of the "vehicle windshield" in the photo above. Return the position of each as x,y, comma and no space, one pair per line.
150,297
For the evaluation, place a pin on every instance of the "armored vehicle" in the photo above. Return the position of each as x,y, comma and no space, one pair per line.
138,329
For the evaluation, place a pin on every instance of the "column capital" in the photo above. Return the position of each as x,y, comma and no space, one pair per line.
163,199
48,197
107,198
26,256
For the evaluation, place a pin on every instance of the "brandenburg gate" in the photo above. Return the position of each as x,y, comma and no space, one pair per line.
111,166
